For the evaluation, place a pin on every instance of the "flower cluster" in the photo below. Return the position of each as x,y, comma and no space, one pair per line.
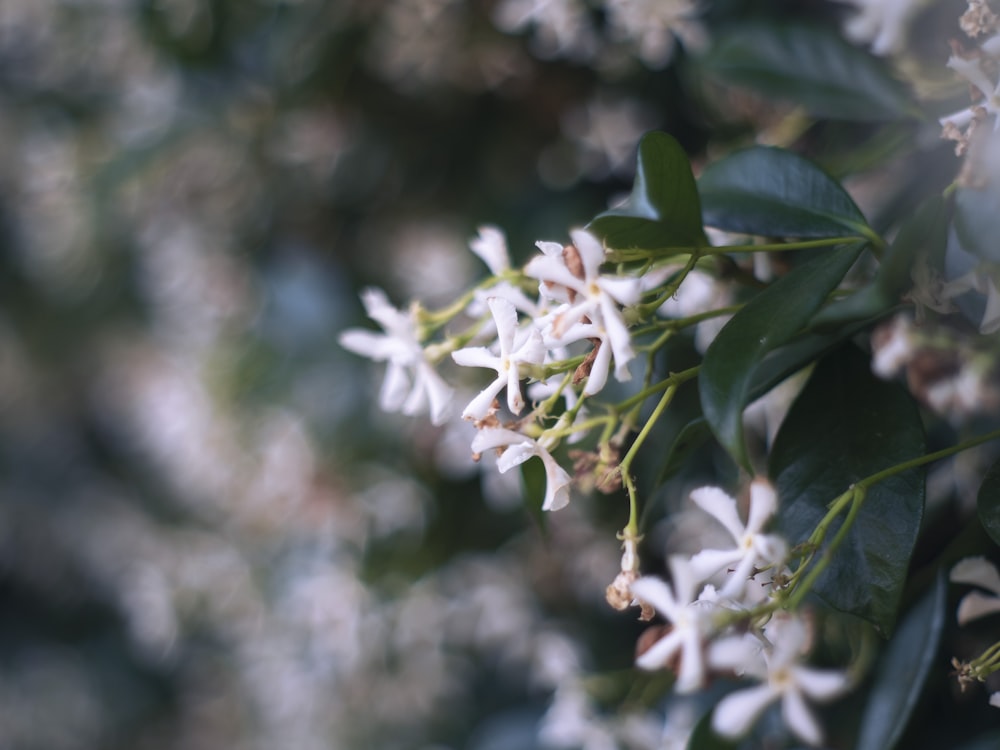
716,589
560,323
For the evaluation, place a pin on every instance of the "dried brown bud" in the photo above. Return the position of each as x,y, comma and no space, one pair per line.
573,261
619,593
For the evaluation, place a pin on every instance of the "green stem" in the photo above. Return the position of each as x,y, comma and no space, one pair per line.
632,527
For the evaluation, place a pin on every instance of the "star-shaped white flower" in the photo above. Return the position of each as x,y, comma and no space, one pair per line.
753,549
591,302
411,384
977,571
516,349
490,245
785,679
881,22
683,643
518,448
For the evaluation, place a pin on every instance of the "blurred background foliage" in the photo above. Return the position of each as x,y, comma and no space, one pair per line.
209,537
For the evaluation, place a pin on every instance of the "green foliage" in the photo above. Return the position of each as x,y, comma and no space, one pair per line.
988,502
772,192
903,669
811,66
847,425
663,209
769,320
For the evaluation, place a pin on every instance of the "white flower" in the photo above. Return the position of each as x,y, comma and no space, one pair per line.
881,22
490,245
972,71
977,571
785,679
519,448
591,308
653,24
411,384
753,549
691,624
515,350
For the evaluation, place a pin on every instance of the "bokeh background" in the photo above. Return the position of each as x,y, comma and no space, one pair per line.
209,536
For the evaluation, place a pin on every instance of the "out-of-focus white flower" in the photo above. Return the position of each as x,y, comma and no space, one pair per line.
561,28
971,69
604,131
753,549
515,350
490,245
785,679
682,644
977,571
518,448
411,384
893,346
881,22
653,24
982,282
591,302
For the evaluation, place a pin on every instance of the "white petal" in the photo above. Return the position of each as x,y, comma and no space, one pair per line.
619,338
684,579
978,571
532,350
591,251
971,71
551,249
660,653
656,593
739,578
738,711
476,356
820,684
598,377
515,402
799,718
692,666
439,393
995,700
505,316
491,247
624,291
557,482
480,406
763,503
708,562
740,654
975,605
721,507
553,270
375,346
515,455
395,388
496,437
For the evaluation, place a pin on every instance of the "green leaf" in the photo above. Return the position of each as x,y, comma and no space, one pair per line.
811,66
988,502
845,426
902,671
925,233
771,192
766,322
663,209
977,220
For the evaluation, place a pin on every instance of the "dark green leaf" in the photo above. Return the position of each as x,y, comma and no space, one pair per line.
775,193
987,741
533,478
769,320
902,670
847,425
663,209
923,234
988,501
811,66
977,220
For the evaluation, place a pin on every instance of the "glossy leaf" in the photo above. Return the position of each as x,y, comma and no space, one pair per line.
663,209
988,501
925,234
766,322
847,425
772,192
902,671
811,66
977,220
